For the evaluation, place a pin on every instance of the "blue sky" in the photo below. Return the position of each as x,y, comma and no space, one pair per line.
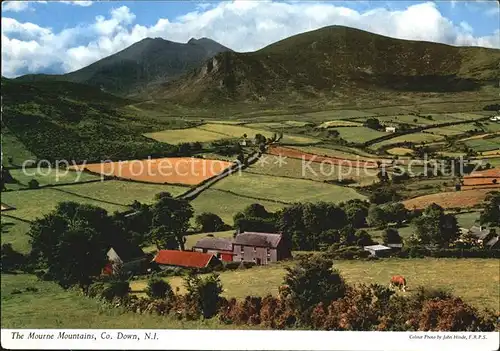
61,36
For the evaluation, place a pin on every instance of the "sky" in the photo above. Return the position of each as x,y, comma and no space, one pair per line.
63,36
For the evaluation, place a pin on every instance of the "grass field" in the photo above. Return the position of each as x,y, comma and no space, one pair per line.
399,151
339,123
481,290
468,219
188,135
112,195
337,114
46,176
485,144
453,130
12,147
53,307
226,205
415,120
416,138
14,232
296,168
358,134
285,189
344,152
31,204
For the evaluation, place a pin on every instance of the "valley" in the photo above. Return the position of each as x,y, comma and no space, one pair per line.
369,129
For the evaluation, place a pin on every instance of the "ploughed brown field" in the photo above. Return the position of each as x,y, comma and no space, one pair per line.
173,170
492,172
482,181
294,153
452,199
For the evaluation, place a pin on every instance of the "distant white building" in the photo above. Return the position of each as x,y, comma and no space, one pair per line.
495,119
390,129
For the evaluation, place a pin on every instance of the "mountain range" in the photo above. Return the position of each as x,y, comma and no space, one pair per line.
334,62
142,64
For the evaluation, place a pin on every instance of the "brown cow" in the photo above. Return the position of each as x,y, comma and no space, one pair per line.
398,281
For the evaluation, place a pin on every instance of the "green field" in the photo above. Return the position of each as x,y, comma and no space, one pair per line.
46,176
491,127
12,147
481,290
112,195
226,205
285,189
339,123
296,168
483,144
188,135
336,114
358,134
53,307
14,232
416,138
400,151
467,220
454,130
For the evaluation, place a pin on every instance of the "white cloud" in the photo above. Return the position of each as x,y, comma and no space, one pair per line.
78,3
240,25
15,6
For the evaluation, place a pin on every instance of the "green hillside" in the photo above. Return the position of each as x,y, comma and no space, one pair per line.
339,63
63,120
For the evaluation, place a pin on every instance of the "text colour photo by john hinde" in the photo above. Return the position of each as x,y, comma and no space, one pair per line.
250,175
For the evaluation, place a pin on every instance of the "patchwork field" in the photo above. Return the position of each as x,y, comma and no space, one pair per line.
438,273
454,130
174,170
285,189
296,168
339,123
456,199
296,153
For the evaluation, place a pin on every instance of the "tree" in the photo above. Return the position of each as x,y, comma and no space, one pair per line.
491,212
170,219
363,238
436,227
373,123
356,212
11,259
377,216
260,139
205,292
33,184
391,236
384,194
209,222
158,289
71,242
311,281
396,212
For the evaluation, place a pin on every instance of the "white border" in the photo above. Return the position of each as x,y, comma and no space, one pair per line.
106,339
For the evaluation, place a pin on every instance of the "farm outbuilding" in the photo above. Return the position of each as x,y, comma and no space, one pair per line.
187,259
222,248
378,250
390,129
126,257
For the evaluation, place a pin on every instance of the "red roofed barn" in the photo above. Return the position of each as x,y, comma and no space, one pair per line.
187,259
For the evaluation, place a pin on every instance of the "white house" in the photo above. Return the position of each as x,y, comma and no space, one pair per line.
495,119
390,129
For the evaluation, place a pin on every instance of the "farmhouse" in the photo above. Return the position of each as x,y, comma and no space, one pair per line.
126,257
390,129
222,248
260,248
495,119
378,250
187,259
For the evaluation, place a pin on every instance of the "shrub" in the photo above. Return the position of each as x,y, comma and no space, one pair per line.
11,259
109,291
203,294
158,288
